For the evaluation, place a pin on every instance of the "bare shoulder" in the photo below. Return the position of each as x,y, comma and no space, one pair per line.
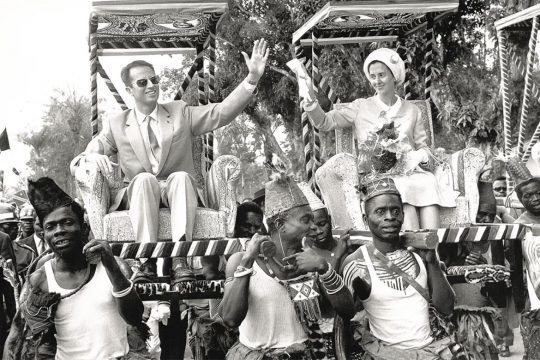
233,263
356,257
38,279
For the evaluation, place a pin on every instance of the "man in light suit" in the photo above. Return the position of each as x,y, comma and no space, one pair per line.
153,143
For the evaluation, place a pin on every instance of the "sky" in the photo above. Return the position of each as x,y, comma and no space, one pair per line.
44,47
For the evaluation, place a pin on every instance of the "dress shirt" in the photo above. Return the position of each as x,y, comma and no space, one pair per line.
38,241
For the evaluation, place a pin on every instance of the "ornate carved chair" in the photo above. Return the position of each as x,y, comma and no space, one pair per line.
214,222
338,183
110,36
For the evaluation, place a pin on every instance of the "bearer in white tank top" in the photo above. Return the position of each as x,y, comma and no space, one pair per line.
97,300
260,297
398,312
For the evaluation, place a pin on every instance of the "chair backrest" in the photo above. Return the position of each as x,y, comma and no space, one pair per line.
346,143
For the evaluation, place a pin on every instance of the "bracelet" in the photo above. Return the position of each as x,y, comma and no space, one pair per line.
336,290
332,283
122,293
328,272
242,271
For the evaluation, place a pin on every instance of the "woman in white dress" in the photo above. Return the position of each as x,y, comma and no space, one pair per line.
419,190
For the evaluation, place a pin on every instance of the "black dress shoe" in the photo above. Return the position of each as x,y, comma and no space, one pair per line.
182,272
147,273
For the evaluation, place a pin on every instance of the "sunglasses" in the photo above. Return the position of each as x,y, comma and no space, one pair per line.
143,82
499,189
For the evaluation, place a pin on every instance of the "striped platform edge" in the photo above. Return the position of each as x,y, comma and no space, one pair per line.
199,289
492,232
165,249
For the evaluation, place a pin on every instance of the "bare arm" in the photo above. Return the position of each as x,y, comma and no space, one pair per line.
342,302
234,306
130,306
442,294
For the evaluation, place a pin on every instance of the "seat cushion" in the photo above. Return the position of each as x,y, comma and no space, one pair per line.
209,224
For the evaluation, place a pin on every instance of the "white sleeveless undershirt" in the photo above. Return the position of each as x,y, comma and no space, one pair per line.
270,321
399,318
88,325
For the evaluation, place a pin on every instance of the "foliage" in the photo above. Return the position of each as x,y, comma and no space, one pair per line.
466,99
65,134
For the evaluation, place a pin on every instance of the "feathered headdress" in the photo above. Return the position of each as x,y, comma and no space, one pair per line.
46,196
314,202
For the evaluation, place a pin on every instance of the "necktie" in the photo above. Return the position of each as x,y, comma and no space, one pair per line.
154,144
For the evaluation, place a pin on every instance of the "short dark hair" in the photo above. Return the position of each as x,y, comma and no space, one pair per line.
519,186
503,178
124,74
245,208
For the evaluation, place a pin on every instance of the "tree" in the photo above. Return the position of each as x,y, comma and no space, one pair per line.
64,134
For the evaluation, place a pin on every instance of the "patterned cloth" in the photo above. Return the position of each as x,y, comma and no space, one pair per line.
378,350
208,338
530,332
293,352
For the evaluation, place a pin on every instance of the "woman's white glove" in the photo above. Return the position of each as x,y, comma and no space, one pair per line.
305,85
162,313
415,158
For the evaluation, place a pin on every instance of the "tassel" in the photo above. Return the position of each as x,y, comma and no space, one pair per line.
308,310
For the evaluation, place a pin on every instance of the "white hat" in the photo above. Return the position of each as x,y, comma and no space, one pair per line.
389,58
314,202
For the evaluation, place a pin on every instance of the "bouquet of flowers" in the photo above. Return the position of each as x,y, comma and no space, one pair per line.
382,151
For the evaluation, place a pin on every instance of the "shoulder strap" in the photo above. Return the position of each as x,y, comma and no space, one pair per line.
390,266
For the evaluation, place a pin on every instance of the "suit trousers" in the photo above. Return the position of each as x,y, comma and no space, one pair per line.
145,195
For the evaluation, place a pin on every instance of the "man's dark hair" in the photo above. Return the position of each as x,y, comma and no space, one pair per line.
503,178
245,208
524,183
124,74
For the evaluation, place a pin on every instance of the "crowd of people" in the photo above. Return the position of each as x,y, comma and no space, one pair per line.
66,296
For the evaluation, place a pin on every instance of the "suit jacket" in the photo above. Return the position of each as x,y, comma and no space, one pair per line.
24,254
29,241
4,246
121,136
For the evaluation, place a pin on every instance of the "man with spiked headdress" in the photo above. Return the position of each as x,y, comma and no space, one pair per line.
272,290
81,295
388,279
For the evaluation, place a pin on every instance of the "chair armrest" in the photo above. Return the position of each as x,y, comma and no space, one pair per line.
337,179
466,166
95,193
221,183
